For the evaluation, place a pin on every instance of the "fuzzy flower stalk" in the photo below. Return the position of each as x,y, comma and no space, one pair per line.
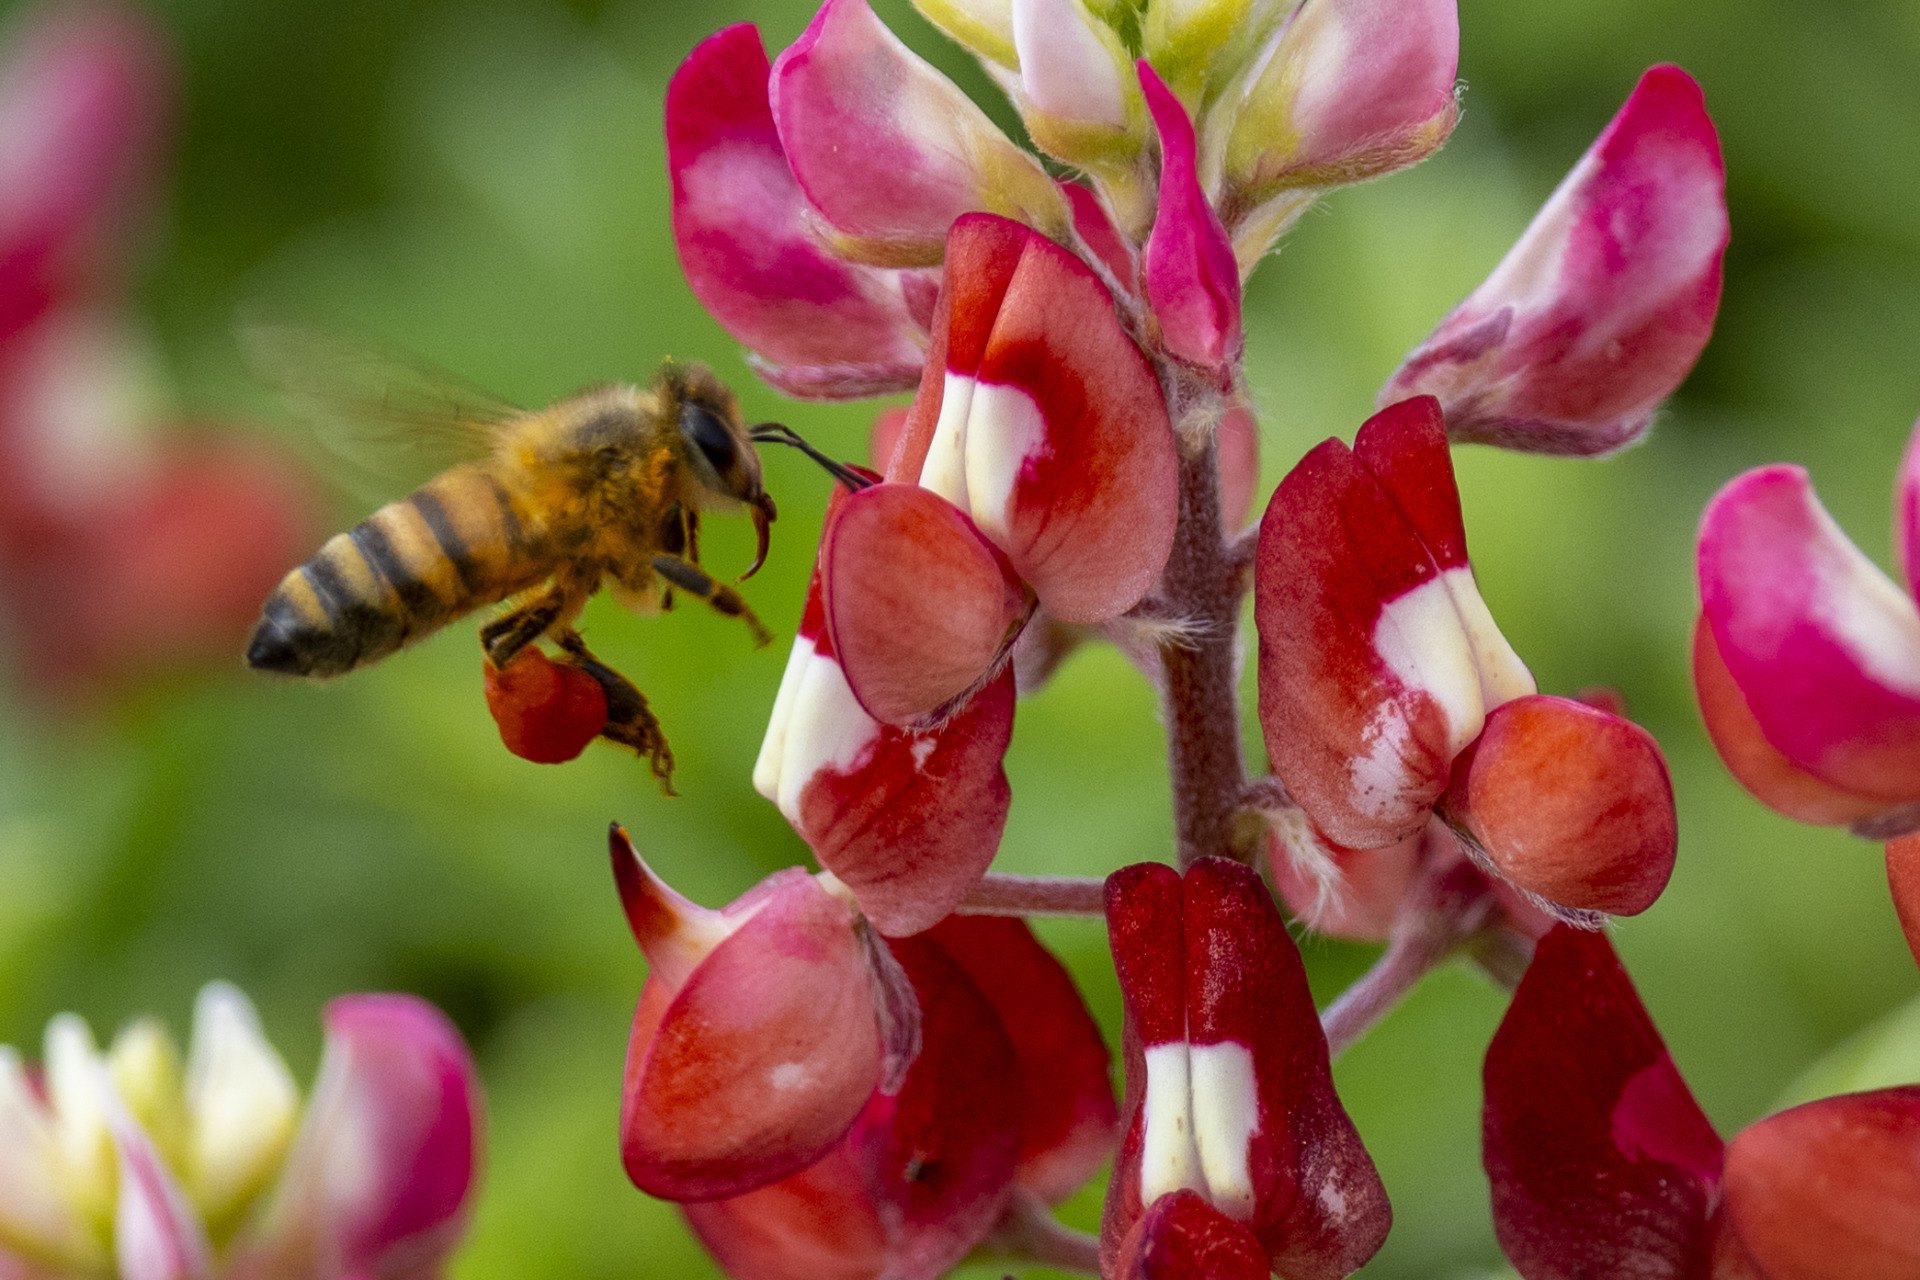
836,1074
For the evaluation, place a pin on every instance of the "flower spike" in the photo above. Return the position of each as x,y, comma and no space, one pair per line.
1602,307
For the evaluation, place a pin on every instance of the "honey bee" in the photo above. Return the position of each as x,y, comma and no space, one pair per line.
538,509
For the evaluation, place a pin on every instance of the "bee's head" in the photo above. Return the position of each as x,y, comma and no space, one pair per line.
719,452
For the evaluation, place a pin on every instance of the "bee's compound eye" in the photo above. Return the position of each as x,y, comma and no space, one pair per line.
704,427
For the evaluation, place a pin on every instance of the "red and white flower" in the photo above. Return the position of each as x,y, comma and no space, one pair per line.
1388,694
1236,1147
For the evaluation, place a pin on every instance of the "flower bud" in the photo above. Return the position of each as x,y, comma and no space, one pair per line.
888,150
1602,307
1347,90
1077,95
1192,279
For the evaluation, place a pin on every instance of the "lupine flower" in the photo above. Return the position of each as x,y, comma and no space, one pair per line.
87,493
1034,472
1803,662
1341,91
1806,654
1603,305
140,1164
1603,1164
760,1034
1008,1096
907,819
1388,694
1235,1144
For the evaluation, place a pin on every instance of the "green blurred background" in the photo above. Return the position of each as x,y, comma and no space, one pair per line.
485,184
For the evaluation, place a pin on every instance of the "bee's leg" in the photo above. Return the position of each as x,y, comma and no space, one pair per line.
519,627
630,722
697,582
693,537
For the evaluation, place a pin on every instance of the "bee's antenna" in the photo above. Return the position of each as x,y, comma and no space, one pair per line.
779,433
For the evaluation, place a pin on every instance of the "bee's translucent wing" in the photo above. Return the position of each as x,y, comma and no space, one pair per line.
391,419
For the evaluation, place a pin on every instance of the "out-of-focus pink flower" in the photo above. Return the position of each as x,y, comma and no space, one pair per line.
1009,1095
1230,1097
1387,693
85,98
1602,1163
888,150
1602,307
1192,280
174,539
1036,467
759,1035
139,1164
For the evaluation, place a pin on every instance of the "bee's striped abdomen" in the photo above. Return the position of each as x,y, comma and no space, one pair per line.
449,547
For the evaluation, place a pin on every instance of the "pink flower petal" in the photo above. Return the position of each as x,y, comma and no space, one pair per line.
1601,1162
1183,1237
920,607
1343,893
1044,422
1076,88
921,1177
1831,1189
1903,878
1095,227
1821,644
1192,279
1069,1118
384,1167
1773,779
749,1063
1569,803
739,222
1378,659
887,149
908,820
84,99
156,1233
1229,1092
1602,307
1906,513
1348,89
